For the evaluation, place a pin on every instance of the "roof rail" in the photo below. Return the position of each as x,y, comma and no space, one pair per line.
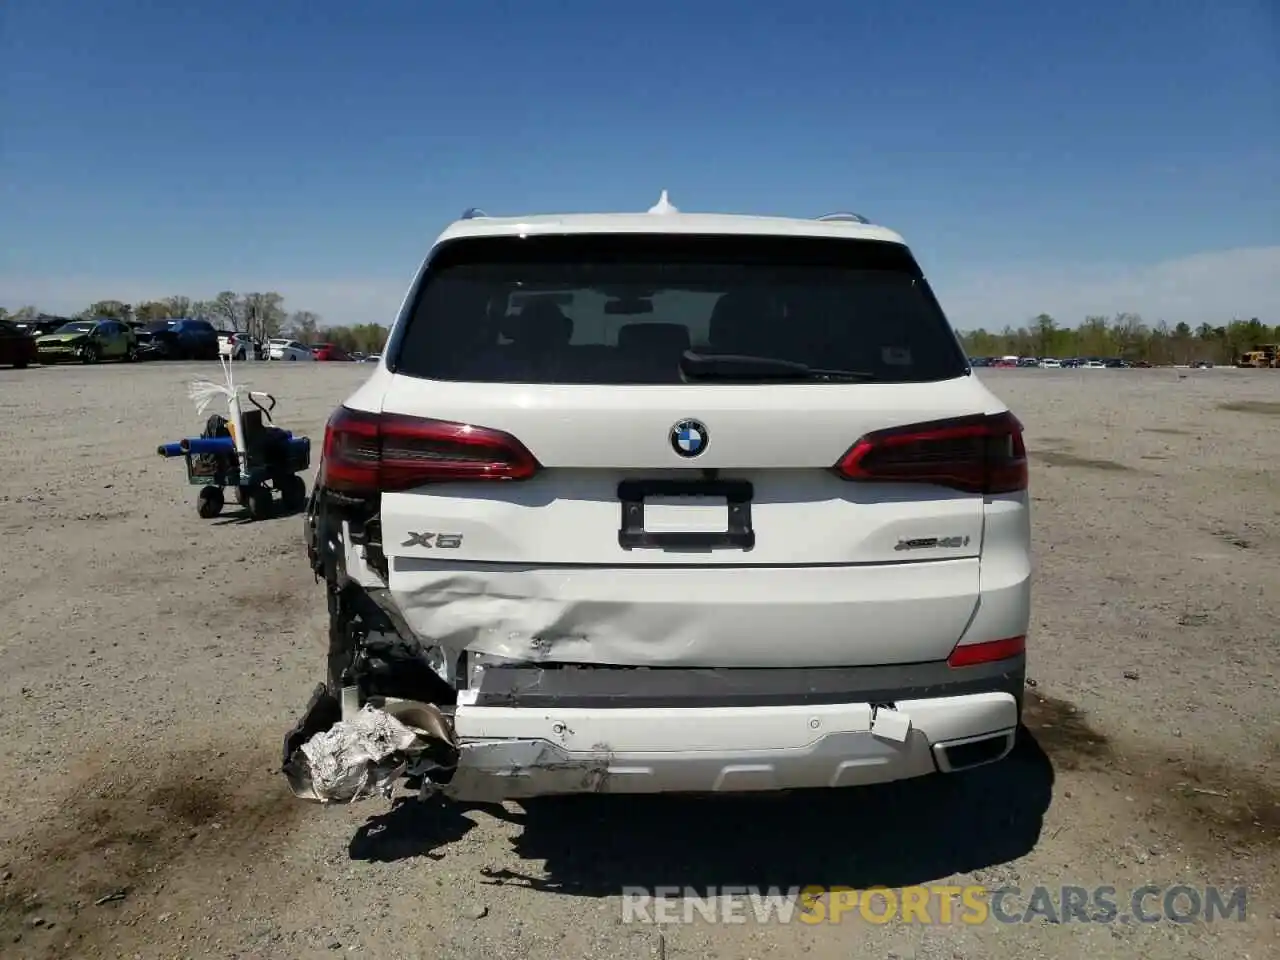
471,213
845,217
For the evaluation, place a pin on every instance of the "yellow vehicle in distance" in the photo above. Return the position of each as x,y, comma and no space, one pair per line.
1264,355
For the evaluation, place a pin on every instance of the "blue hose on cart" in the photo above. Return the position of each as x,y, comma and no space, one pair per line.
214,445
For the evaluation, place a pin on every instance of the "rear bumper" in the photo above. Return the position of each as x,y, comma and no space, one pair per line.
510,753
530,730
571,731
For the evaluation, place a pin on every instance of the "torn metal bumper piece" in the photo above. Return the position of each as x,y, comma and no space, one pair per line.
328,759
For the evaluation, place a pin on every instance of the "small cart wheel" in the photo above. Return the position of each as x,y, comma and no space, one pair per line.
209,503
259,503
293,492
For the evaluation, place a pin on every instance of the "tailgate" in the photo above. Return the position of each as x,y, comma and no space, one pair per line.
776,464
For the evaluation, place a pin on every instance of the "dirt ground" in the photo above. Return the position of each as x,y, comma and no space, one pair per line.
153,660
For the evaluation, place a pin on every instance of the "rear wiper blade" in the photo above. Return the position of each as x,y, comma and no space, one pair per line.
732,366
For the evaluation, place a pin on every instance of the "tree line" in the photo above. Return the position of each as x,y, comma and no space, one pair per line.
1127,336
261,315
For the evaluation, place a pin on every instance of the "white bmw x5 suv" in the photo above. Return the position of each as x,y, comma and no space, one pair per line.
671,502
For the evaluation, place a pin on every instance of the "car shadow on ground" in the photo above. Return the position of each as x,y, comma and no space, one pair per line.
234,515
897,834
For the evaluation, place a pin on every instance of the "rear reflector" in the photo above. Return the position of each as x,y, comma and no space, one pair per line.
972,654
979,454
382,453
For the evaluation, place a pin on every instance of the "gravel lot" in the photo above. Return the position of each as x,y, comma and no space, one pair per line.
152,662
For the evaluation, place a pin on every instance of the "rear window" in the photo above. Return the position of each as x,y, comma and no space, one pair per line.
622,309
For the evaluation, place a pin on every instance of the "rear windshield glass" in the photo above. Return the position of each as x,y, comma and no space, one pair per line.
623,309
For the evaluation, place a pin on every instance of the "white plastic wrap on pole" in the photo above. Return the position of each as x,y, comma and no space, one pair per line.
237,430
203,392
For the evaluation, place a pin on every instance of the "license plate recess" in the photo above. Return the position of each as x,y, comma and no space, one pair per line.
736,533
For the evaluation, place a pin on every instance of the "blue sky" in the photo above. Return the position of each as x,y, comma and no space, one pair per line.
1072,158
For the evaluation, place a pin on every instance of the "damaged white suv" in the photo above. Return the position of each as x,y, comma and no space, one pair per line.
666,502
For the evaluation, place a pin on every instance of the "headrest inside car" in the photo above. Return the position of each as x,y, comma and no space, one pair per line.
539,323
743,322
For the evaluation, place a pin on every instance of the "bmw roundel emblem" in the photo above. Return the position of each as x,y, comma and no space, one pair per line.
689,438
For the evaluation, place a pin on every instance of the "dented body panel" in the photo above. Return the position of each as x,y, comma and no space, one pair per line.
678,617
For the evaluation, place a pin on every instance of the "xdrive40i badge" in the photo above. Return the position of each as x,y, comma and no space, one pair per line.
932,543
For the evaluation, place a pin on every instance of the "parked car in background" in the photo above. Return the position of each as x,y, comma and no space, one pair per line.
1050,363
154,340
283,349
236,346
88,341
40,325
329,352
17,347
373,358
179,339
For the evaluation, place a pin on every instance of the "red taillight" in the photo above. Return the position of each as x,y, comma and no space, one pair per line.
370,452
972,654
981,454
